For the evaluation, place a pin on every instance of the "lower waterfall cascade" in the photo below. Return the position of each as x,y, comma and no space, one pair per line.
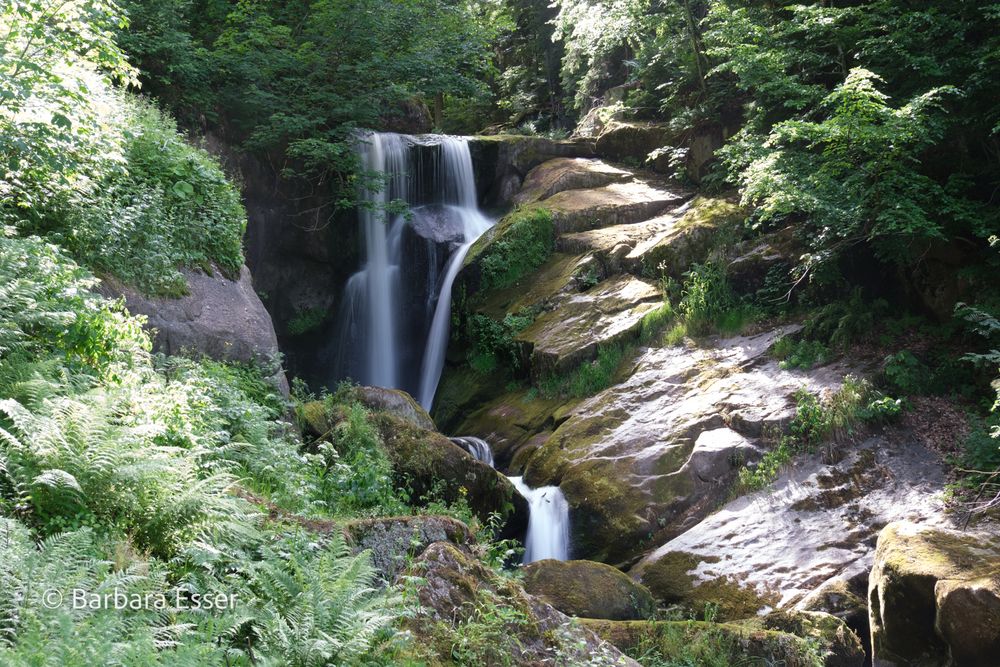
548,518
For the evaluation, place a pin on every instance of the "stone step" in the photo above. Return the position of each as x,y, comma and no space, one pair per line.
561,174
615,204
571,333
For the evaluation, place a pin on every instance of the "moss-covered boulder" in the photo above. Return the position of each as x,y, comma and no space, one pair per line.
838,645
673,580
705,643
589,590
470,615
631,140
396,402
572,332
934,597
562,174
394,541
844,598
704,224
429,463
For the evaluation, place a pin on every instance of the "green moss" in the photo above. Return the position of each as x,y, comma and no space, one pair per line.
306,321
522,242
588,589
669,579
685,643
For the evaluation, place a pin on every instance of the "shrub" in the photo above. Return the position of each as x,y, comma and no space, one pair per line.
523,241
493,344
799,354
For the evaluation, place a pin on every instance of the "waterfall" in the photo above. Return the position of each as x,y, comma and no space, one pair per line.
477,447
548,522
395,317
548,511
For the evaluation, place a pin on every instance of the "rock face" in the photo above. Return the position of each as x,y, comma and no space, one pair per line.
588,590
659,450
221,318
573,331
816,522
561,174
397,402
457,590
934,597
623,140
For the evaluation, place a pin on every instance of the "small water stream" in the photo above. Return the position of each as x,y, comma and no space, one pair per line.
548,519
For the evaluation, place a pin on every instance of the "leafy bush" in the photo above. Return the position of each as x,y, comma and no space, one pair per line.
799,353
589,377
523,241
906,374
493,344
816,422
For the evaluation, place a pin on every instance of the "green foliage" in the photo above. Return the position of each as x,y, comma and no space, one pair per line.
523,242
708,304
906,374
655,321
816,422
489,634
589,377
493,344
306,321
799,353
841,323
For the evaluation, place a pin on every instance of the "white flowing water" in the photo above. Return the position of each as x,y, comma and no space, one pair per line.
548,522
548,511
477,447
383,340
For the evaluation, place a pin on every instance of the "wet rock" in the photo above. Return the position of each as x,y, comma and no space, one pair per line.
934,597
458,590
687,642
394,541
562,174
589,590
572,332
817,521
510,421
623,140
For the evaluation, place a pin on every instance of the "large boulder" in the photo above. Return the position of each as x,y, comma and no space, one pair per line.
221,318
838,645
589,590
471,613
817,521
655,453
428,462
934,597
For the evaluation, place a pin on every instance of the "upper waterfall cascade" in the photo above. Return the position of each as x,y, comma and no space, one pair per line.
396,314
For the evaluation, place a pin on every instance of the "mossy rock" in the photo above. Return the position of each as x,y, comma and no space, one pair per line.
427,462
393,541
491,620
838,645
518,244
705,643
632,140
460,391
512,419
670,580
705,225
934,596
588,589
